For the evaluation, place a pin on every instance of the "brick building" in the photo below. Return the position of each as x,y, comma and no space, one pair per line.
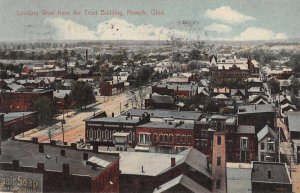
58,168
99,131
110,88
21,101
257,115
17,123
145,172
165,137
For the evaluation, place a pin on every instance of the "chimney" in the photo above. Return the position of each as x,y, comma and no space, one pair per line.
143,169
41,148
40,167
62,152
113,114
173,162
85,156
66,168
53,143
255,106
15,164
95,148
73,145
34,140
86,55
269,174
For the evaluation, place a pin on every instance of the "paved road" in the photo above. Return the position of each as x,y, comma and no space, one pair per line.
74,128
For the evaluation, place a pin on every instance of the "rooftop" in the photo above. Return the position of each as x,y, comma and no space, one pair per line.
185,181
246,129
238,177
278,172
28,155
15,115
168,125
133,162
264,108
160,113
116,120
294,121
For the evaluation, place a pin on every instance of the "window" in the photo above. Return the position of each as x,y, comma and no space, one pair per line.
147,139
178,139
98,134
218,161
141,139
219,140
166,138
218,184
154,137
95,134
91,134
262,146
262,157
189,139
160,138
171,138
271,147
106,135
244,143
183,139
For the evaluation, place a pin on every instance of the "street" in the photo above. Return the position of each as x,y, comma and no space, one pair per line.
74,128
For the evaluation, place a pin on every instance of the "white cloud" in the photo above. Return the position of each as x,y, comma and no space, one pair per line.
254,33
70,30
220,28
227,15
113,29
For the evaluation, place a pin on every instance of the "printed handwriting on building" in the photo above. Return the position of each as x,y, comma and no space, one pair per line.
20,182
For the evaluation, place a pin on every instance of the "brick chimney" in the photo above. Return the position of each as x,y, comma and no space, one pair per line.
41,148
40,167
173,161
15,164
66,168
85,156
62,152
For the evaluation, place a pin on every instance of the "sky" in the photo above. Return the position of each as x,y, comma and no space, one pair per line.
166,19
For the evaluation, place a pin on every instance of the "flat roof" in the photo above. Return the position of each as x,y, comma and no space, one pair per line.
163,113
238,177
131,163
279,172
263,108
121,119
294,121
28,155
168,125
15,115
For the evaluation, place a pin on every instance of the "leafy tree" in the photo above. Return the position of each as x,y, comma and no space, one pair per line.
274,86
45,108
82,93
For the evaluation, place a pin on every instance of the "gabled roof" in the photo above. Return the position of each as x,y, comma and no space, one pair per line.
264,132
195,159
185,181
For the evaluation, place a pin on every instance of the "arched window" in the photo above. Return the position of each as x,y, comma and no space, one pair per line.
95,134
91,134
106,134
99,134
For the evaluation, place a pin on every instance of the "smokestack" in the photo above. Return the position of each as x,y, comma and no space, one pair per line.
41,148
66,168
62,152
173,162
86,55
40,167
15,164
85,156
